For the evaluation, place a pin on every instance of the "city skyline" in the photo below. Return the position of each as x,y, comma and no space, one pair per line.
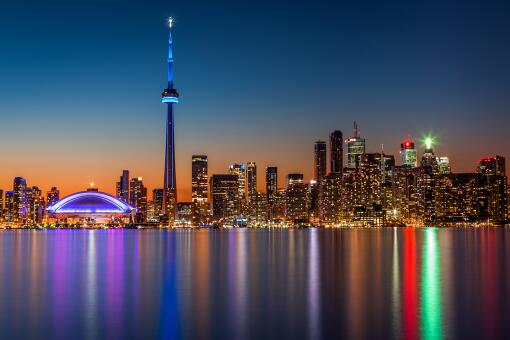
50,149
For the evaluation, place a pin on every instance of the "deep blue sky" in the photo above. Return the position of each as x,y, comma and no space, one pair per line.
80,83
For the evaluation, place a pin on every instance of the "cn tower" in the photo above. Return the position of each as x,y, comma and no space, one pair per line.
170,97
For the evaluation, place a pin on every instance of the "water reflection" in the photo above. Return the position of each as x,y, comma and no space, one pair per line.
357,283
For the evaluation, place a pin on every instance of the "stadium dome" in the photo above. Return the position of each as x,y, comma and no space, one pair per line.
90,203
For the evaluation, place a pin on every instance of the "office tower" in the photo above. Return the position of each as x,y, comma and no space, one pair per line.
199,189
9,206
138,198
351,192
319,164
492,165
259,208
225,196
157,201
330,198
199,178
271,191
355,148
37,205
370,177
123,186
170,97
52,196
408,153
251,181
425,194
313,200
1,203
240,171
184,213
492,190
336,149
404,193
443,165
456,198
296,199
20,208
428,158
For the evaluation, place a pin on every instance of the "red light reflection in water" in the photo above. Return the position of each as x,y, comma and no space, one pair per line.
409,291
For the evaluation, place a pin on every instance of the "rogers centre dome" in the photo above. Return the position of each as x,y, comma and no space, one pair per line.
90,204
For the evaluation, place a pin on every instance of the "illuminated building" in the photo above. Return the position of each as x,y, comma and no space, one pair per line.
336,149
20,207
199,189
330,198
123,186
408,153
90,207
9,206
296,199
251,181
320,163
240,171
36,204
455,198
271,191
370,178
157,201
493,190
225,196
169,97
428,158
184,213
443,165
313,204
52,196
355,148
425,194
492,165
404,193
259,206
351,192
1,205
138,198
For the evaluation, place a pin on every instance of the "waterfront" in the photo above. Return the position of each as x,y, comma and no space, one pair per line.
408,283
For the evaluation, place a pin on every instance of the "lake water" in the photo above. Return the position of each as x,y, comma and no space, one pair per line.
257,284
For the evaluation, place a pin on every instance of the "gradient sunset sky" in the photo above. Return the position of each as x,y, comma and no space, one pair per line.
80,84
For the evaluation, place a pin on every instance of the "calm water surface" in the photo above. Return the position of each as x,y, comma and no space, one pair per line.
258,284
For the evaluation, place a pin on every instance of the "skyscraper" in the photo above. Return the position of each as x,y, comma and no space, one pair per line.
355,148
123,186
138,198
199,185
296,199
157,201
320,163
52,196
170,97
336,149
408,153
199,189
251,181
271,190
492,165
225,196
20,208
9,206
240,171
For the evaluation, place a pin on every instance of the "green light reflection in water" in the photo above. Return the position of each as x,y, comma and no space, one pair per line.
431,318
